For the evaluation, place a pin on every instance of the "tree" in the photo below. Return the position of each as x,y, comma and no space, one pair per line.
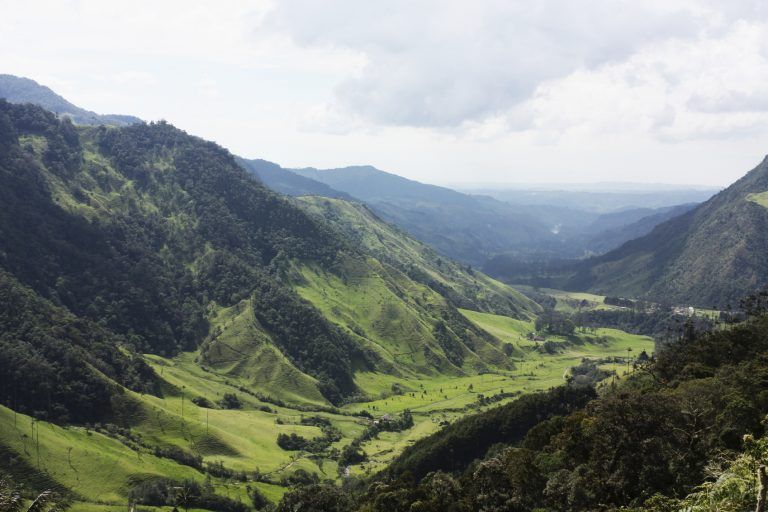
325,497
11,500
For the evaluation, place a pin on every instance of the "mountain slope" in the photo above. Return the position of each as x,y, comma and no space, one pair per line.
148,230
711,255
23,90
464,287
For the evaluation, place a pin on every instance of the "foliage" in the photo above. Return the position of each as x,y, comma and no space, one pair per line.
230,401
138,229
293,442
658,435
325,497
13,500
458,444
555,322
52,364
292,321
187,494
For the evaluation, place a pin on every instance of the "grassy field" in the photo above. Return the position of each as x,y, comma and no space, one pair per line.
99,467
761,198
570,302
433,400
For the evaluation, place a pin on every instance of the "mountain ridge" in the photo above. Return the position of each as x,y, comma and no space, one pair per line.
711,255
25,90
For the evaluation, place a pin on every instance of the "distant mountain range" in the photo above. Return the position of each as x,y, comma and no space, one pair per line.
603,198
23,90
472,228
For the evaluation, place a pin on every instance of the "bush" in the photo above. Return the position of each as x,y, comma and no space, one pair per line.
201,401
230,401
259,500
325,498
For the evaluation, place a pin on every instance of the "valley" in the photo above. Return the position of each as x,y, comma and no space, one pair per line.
98,463
181,327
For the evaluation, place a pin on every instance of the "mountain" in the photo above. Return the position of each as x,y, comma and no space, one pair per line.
477,228
23,90
288,182
710,255
464,227
166,244
464,287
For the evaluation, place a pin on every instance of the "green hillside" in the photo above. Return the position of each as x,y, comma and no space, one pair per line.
460,283
168,323
710,256
683,431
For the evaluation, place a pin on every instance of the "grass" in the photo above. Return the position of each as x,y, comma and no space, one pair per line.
240,348
759,198
95,467
440,398
570,302
388,243
99,468
390,314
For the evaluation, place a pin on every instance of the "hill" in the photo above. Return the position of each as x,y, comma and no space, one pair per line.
167,321
24,90
711,255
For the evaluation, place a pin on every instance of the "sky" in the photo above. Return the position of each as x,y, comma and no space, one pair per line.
508,91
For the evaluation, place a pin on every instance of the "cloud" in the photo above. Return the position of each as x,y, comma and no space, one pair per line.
673,69
707,87
439,64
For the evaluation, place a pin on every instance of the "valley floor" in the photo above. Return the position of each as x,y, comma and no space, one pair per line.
100,463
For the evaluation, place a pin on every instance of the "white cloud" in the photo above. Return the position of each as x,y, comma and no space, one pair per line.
443,63
707,87
671,70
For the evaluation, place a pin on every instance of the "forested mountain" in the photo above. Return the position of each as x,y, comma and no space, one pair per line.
477,228
179,334
24,90
149,239
711,255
